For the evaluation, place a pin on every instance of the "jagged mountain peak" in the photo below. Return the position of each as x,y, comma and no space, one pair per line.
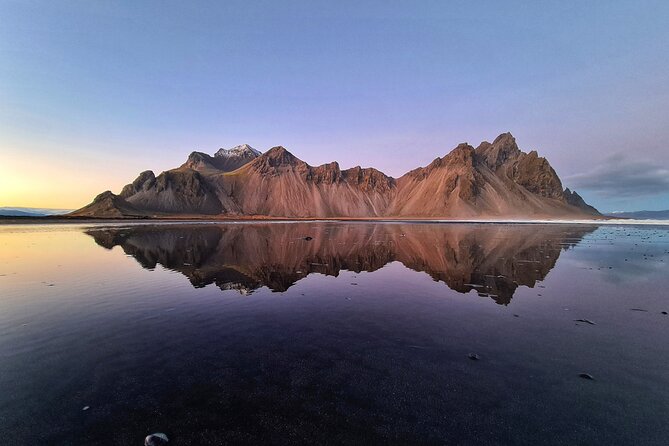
108,205
198,154
199,161
463,152
277,150
502,149
576,200
279,155
240,150
494,180
106,195
224,160
144,181
505,139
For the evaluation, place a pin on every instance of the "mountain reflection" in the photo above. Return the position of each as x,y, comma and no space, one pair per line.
491,259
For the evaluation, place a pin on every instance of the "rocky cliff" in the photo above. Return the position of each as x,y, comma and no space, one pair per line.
493,180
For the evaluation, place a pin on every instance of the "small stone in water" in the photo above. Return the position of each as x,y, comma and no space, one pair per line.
157,439
586,376
473,356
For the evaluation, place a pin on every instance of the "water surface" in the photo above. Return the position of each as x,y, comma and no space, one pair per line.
334,333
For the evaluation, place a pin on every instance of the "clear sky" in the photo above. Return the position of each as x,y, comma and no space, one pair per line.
93,92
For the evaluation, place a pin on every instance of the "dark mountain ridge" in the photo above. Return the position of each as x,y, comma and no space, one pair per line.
494,180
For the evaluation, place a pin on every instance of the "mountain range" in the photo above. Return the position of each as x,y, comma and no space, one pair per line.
641,215
492,180
7,211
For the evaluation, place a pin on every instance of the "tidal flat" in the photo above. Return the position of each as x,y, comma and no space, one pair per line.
334,333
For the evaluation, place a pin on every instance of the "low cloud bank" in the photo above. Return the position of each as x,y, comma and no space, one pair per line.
620,177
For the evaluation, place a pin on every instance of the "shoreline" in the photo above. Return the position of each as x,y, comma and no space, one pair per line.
14,220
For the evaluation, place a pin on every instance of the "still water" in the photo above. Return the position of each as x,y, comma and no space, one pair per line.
334,333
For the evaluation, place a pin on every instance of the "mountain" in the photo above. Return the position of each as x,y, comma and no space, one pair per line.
31,212
641,215
225,160
108,205
16,213
493,180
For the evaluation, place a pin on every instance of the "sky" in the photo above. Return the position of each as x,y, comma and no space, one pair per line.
94,92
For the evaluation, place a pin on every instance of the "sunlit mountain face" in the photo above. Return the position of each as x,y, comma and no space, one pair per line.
494,180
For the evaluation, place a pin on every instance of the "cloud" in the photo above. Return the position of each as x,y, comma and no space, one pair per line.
619,177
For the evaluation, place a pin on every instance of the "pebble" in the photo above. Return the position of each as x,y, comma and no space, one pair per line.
473,356
157,439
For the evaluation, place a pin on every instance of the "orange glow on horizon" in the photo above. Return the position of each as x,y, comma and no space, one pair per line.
27,180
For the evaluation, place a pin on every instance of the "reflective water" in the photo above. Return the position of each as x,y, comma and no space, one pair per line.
334,333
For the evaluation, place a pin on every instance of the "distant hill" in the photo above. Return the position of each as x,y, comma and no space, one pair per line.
31,212
642,215
491,181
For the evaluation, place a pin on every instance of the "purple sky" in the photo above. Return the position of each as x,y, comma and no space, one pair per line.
91,93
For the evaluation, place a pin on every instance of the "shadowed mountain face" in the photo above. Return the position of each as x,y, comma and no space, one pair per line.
493,260
493,180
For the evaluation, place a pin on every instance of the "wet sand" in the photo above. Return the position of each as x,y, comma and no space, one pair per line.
334,332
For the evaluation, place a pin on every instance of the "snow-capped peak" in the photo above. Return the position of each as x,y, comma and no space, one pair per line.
243,150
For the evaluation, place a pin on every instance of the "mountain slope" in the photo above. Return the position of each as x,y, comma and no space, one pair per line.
281,185
7,211
641,215
494,180
108,205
